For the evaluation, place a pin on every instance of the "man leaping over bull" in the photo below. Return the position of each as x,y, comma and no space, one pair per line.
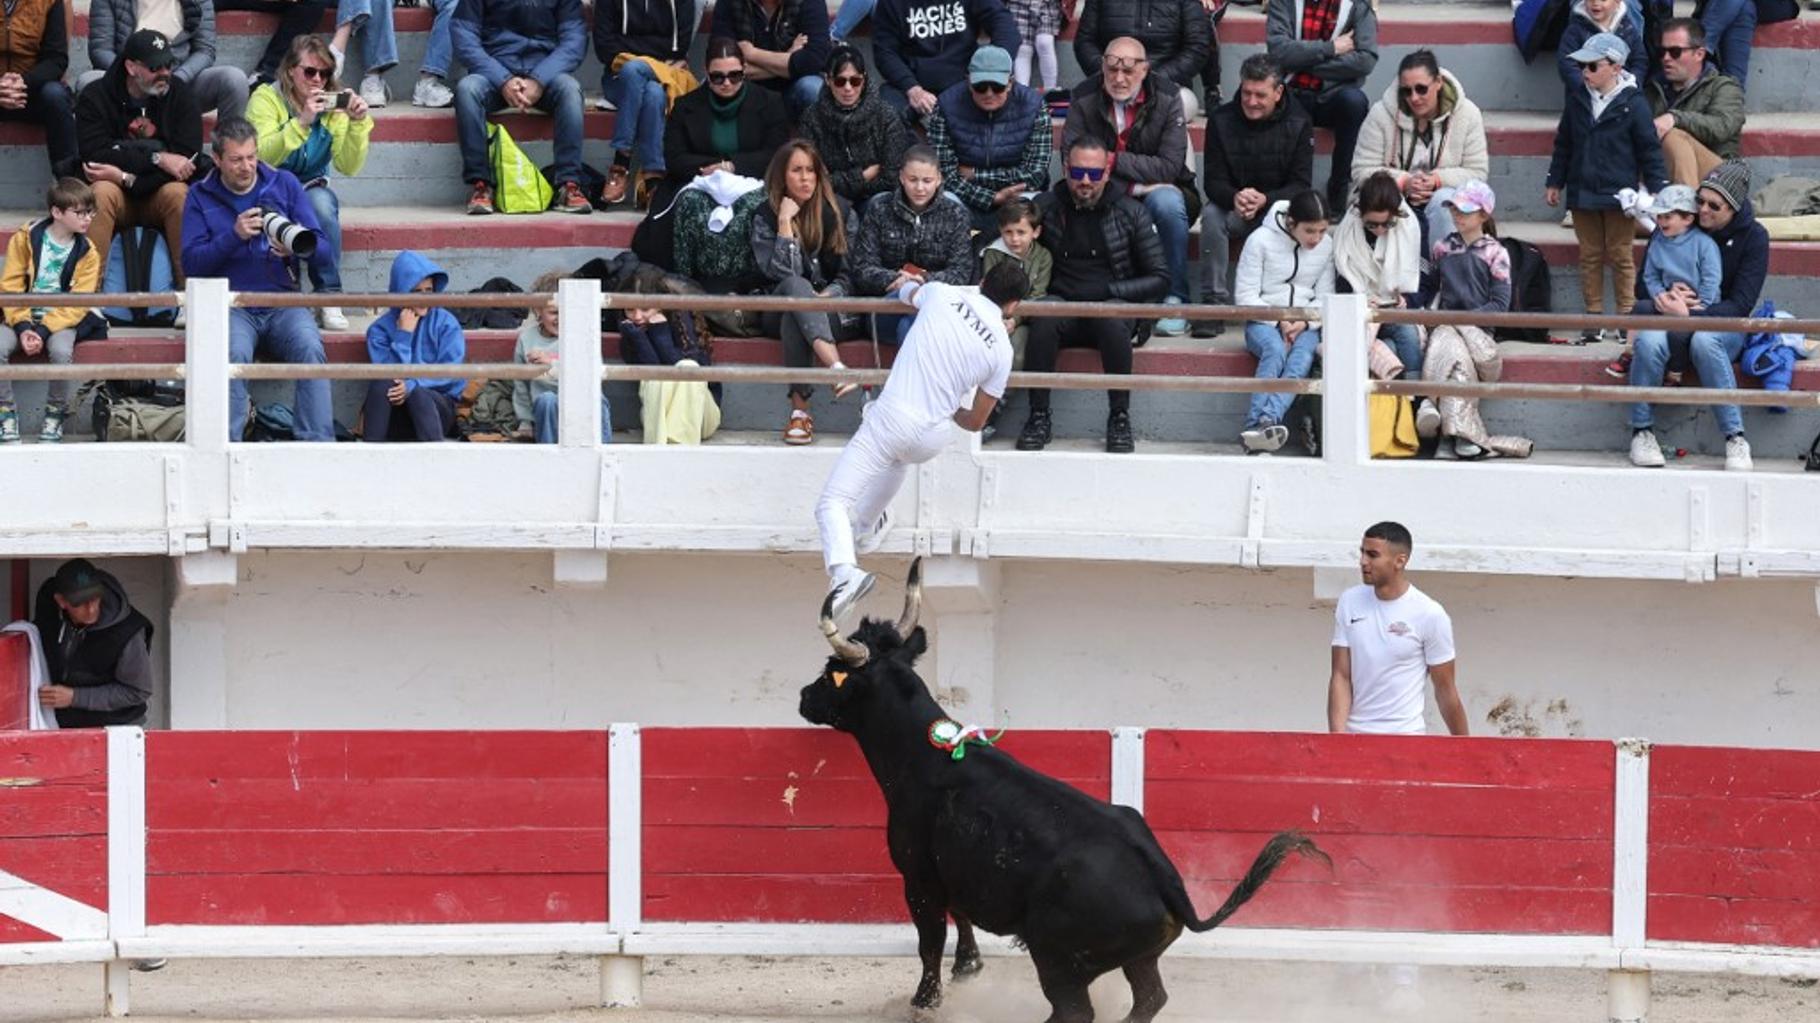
951,371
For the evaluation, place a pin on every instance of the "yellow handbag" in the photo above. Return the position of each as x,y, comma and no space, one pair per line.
1393,426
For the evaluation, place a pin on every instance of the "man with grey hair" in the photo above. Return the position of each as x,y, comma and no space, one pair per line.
228,232
190,27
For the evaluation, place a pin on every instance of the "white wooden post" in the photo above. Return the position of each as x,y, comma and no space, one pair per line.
125,854
1128,767
1347,436
621,976
205,356
1628,990
578,370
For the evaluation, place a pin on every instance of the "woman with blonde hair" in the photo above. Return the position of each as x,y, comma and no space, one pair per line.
801,236
310,126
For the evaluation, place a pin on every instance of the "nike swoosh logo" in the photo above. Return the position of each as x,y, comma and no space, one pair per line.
1355,621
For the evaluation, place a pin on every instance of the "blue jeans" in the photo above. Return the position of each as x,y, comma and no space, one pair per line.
475,98
1277,361
1729,26
1169,209
803,92
1404,340
325,266
437,51
1711,353
379,41
544,419
851,13
891,328
281,335
638,127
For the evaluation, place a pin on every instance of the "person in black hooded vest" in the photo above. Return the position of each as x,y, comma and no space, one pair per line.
98,649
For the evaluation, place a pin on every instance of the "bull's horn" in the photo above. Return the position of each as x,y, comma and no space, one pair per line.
854,653
913,599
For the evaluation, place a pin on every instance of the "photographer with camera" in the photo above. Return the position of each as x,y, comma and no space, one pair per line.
310,126
251,223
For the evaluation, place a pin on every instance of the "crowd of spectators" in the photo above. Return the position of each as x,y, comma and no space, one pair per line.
793,167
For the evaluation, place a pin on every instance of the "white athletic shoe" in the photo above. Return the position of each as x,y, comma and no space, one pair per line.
332,318
1646,451
851,591
1737,454
432,92
870,542
1428,420
374,90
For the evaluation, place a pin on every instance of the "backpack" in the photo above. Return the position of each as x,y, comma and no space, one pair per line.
1537,26
273,422
1529,289
496,317
138,261
141,394
518,186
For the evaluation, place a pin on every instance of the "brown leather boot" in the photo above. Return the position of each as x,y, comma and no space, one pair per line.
618,178
647,183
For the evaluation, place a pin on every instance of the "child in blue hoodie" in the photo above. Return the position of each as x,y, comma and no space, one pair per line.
414,409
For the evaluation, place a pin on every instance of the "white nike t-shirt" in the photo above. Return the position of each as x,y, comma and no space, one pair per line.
957,343
1393,644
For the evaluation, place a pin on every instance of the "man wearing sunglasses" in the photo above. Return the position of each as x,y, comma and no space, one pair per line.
1699,110
992,136
1138,117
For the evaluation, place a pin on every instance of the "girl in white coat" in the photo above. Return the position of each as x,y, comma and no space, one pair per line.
1288,261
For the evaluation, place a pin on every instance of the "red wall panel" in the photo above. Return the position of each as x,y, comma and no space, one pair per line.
15,681
376,827
1734,846
787,825
1467,835
53,817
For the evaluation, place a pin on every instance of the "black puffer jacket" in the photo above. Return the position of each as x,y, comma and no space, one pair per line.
852,140
1156,146
1139,271
1176,34
653,28
1274,155
939,239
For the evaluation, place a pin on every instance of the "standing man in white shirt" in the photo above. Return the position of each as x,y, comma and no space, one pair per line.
1389,639
951,371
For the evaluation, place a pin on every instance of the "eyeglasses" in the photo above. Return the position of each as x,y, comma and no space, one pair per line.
86,211
1375,226
1086,173
726,77
1420,89
1590,65
1708,204
993,87
1676,52
1123,67
315,74
848,81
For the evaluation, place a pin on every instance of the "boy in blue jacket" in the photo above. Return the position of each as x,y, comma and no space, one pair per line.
1588,19
420,409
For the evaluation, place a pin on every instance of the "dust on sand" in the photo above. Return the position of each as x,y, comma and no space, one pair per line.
711,989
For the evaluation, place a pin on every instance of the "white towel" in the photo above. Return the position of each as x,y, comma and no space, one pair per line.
37,718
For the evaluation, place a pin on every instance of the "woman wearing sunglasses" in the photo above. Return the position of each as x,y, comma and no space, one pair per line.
860,139
1377,253
310,126
1429,136
723,125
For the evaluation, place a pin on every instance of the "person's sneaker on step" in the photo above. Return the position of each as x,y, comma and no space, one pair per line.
1619,368
52,430
1208,328
1645,450
480,201
570,199
1428,419
870,541
1267,436
850,587
431,91
1037,432
1118,433
619,181
332,318
375,92
9,425
1590,336
1171,326
1737,453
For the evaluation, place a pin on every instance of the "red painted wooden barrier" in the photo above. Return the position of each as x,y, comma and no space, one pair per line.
787,825
1734,846
53,818
15,681
1474,835
376,827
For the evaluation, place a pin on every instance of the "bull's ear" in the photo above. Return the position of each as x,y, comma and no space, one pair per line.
917,643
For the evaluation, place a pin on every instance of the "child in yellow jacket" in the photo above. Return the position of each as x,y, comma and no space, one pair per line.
49,256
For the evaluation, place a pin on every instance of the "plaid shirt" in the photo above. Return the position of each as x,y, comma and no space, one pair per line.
1032,168
1319,18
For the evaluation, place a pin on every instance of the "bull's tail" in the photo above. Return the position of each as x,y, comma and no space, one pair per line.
1274,853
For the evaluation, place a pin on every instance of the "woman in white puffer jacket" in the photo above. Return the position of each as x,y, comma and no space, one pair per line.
1287,262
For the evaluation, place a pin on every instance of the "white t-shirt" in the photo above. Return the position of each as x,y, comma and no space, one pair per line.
1393,644
956,344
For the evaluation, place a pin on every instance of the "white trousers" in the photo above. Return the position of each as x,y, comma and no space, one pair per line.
867,476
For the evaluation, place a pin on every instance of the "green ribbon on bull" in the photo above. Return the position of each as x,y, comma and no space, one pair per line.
951,737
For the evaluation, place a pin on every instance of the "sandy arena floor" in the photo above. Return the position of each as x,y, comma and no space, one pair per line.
719,990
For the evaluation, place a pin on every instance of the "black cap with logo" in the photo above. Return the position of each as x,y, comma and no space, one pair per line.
151,48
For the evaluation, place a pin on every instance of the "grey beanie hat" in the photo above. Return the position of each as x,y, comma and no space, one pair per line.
1731,180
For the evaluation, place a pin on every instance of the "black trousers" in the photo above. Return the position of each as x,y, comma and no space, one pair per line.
52,105
426,415
1050,334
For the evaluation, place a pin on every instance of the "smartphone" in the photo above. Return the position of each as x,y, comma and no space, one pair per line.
342,98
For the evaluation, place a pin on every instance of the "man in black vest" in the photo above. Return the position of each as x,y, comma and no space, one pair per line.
97,647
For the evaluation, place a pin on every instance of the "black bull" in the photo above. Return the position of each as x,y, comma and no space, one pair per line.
1081,883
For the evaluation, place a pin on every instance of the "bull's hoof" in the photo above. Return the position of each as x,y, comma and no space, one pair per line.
967,968
925,1013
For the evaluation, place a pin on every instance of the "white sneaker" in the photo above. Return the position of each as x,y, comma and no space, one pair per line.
331,318
1428,420
1646,451
603,103
375,92
1737,454
851,591
178,322
871,541
1266,436
431,91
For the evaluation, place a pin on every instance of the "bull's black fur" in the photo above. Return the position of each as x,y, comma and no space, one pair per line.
1079,882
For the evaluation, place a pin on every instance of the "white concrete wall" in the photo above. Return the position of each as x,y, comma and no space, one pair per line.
376,640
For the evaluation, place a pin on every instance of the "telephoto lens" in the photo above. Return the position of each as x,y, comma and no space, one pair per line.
286,233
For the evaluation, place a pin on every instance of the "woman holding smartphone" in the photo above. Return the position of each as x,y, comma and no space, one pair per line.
309,125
